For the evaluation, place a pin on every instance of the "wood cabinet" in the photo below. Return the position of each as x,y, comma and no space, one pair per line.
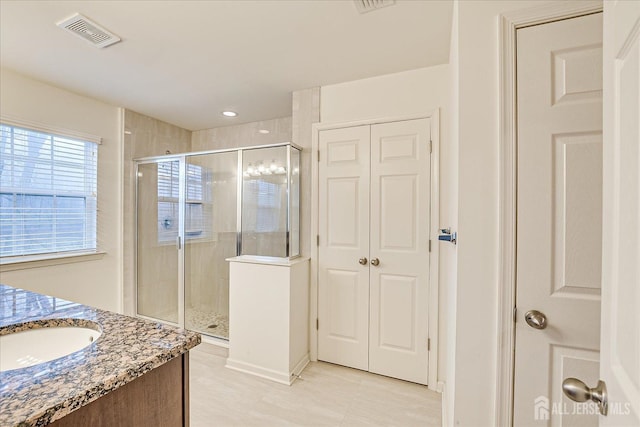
159,398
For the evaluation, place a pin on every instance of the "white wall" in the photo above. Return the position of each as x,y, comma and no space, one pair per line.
476,296
305,112
449,217
408,93
400,94
97,282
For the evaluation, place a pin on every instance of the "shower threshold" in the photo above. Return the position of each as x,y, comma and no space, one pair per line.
209,323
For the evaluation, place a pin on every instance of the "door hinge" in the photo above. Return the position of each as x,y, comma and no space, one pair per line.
317,324
430,146
317,240
318,155
429,245
428,344
515,314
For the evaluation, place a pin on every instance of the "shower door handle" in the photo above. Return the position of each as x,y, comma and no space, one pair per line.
178,242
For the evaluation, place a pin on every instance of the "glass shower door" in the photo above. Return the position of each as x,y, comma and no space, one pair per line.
157,217
211,226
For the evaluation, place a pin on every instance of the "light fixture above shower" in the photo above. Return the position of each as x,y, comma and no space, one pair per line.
259,169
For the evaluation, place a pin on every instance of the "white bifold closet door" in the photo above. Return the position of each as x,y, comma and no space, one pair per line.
374,248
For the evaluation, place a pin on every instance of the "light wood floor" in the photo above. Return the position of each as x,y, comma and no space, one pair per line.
326,395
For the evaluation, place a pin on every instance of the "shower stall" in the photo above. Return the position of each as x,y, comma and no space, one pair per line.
195,210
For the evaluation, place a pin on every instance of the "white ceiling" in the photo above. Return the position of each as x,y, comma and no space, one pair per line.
185,61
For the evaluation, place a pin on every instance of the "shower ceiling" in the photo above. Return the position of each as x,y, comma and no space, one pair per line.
185,62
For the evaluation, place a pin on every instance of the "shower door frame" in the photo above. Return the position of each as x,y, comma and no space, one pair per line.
182,159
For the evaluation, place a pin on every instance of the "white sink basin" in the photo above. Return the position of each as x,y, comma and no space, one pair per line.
34,346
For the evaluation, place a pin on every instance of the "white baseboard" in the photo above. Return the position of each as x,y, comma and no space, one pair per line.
248,368
297,370
443,399
281,377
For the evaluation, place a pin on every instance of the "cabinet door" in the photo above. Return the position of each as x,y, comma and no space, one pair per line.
399,241
343,282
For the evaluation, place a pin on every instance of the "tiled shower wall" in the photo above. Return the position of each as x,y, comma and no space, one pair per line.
244,135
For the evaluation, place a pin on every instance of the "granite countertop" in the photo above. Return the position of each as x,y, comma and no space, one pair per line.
128,348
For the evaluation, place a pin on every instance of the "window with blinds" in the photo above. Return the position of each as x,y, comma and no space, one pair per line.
263,211
168,198
48,193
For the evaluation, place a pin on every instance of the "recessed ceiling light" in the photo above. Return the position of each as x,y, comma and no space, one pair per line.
229,113
263,131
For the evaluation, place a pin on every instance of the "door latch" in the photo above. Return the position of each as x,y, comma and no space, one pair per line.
447,236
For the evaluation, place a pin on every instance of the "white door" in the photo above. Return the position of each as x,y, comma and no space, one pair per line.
343,283
373,248
400,242
559,216
620,341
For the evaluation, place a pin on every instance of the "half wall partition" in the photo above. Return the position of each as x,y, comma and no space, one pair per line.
195,210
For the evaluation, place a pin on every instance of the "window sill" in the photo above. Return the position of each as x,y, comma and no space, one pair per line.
46,260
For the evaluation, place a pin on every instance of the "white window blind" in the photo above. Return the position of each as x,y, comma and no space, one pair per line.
48,192
263,211
168,197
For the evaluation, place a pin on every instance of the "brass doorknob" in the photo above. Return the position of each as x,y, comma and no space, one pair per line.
362,261
375,262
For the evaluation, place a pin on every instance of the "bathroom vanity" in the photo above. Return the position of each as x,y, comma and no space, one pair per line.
136,372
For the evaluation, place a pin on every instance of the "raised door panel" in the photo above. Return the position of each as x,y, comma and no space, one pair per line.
398,215
342,210
577,73
342,296
397,318
577,186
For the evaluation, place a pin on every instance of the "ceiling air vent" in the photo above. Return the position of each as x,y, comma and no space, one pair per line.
365,6
81,26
